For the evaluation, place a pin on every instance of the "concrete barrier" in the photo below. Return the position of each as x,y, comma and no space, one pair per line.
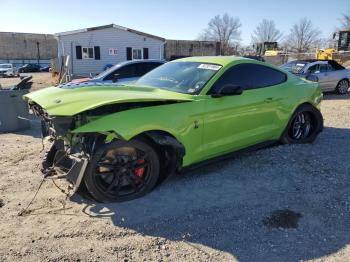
13,111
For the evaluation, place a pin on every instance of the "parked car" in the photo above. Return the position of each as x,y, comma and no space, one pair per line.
45,69
29,68
124,72
330,75
120,141
8,70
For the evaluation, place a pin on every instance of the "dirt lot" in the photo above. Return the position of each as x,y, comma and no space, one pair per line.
220,212
39,80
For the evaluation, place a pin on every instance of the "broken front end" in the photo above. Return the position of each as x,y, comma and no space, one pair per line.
66,152
71,153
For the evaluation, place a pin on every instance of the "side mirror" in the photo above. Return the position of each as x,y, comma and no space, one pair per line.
228,90
115,78
317,72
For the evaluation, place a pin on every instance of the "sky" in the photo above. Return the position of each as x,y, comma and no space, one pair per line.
176,19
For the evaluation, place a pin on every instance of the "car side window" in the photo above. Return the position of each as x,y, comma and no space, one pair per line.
330,68
124,72
313,69
144,68
323,68
250,76
127,71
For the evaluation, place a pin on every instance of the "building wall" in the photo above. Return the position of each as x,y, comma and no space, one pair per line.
183,48
105,38
23,47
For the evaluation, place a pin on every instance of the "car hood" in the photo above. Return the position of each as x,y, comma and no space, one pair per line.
68,102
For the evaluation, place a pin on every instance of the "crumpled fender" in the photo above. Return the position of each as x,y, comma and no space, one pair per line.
184,122
127,124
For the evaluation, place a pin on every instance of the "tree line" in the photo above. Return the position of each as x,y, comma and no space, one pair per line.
302,37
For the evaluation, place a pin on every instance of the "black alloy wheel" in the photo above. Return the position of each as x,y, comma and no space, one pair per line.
304,126
122,171
301,126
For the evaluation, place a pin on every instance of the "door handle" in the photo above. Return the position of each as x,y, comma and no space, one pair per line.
268,100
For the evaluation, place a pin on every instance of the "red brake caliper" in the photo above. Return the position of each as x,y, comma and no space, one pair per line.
140,171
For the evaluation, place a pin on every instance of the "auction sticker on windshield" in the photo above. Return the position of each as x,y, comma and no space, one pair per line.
209,66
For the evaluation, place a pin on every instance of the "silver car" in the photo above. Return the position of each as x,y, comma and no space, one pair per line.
8,70
330,75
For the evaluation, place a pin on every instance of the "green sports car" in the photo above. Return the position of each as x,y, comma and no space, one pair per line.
120,141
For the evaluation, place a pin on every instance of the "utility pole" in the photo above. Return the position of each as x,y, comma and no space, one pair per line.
37,45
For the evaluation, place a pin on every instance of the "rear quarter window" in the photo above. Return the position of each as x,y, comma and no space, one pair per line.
251,76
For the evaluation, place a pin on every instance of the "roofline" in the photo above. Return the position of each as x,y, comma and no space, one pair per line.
186,40
345,29
109,26
21,33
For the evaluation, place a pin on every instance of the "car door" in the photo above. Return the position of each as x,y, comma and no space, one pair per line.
327,77
334,76
238,121
320,70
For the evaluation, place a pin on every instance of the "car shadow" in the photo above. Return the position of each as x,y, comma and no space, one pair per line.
225,205
334,96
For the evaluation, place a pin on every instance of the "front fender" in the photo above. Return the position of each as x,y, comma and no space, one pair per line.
121,124
184,121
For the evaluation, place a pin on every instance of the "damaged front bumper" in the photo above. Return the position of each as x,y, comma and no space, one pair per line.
61,158
58,161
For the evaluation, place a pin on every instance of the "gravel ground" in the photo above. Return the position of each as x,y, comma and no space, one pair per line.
284,203
40,80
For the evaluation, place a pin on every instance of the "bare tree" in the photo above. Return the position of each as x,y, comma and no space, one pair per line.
303,37
223,29
266,31
345,20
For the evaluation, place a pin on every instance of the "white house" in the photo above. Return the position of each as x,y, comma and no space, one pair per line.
91,49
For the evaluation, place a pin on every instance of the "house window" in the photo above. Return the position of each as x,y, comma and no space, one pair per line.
137,53
112,51
88,53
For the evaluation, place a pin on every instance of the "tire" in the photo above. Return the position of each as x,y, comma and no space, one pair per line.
122,171
342,87
311,124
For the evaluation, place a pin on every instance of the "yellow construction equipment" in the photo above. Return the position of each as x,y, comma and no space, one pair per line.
326,54
263,47
342,51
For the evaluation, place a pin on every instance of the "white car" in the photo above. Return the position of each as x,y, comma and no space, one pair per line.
7,70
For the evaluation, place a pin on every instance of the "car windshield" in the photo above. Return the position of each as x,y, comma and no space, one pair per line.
182,77
5,66
294,67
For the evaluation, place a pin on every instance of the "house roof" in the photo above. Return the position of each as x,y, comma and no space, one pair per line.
109,26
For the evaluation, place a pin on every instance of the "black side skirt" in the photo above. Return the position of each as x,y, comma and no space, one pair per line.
229,155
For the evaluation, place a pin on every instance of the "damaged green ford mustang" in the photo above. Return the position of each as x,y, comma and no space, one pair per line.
120,141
